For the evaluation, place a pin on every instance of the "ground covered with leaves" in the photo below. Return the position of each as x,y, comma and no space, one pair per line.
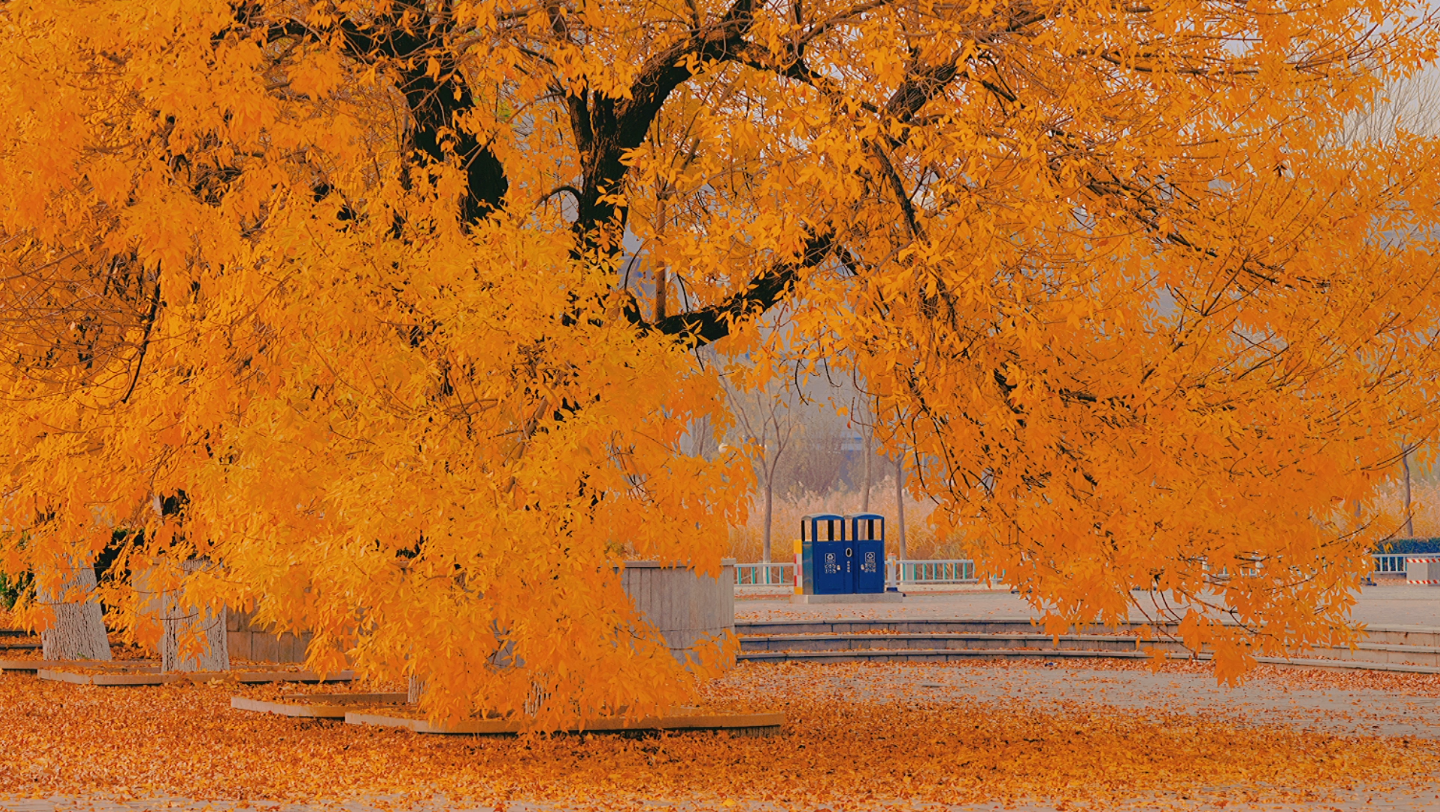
857,736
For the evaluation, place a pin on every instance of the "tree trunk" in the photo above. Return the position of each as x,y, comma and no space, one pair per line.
769,514
662,293
1409,519
78,632
900,503
869,452
662,279
194,639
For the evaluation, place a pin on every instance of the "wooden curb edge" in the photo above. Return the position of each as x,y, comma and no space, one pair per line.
754,724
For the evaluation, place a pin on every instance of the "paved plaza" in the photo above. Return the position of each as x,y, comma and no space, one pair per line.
1379,606
1348,704
1356,800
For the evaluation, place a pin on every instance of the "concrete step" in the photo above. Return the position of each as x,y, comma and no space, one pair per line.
1366,652
957,655
889,642
933,655
1411,636
1422,636
924,626
17,640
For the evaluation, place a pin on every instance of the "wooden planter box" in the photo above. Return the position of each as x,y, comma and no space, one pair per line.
683,606
251,642
244,639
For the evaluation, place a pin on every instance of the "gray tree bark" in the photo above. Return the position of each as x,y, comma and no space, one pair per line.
900,502
1409,514
769,517
194,639
869,452
78,632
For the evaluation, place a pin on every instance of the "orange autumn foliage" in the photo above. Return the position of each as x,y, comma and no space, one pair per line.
401,296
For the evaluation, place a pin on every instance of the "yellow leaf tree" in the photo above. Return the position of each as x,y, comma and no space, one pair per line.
399,301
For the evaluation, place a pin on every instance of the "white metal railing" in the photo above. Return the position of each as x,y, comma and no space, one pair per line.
933,571
944,571
776,573
1389,563
897,573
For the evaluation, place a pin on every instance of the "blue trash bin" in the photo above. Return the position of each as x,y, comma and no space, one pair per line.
826,558
867,535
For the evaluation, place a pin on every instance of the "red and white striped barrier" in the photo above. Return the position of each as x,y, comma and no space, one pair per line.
1429,562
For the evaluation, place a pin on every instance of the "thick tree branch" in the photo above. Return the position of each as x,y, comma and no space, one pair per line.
144,341
765,290
769,287
436,106
616,126
406,42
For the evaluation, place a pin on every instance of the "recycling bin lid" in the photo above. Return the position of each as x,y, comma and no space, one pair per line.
813,522
853,522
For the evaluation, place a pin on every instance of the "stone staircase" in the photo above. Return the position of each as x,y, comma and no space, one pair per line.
1404,649
14,641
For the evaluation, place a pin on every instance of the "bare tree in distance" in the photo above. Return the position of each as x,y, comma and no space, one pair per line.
861,417
799,435
1411,105
1408,506
900,502
765,421
1407,106
817,466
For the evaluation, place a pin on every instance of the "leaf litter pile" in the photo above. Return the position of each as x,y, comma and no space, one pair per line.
856,735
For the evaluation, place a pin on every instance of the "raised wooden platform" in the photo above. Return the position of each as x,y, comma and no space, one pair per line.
33,666
344,706
315,706
113,679
741,724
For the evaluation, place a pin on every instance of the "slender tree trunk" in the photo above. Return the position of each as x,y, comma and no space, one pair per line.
194,639
1409,519
662,280
869,452
900,502
769,515
78,632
